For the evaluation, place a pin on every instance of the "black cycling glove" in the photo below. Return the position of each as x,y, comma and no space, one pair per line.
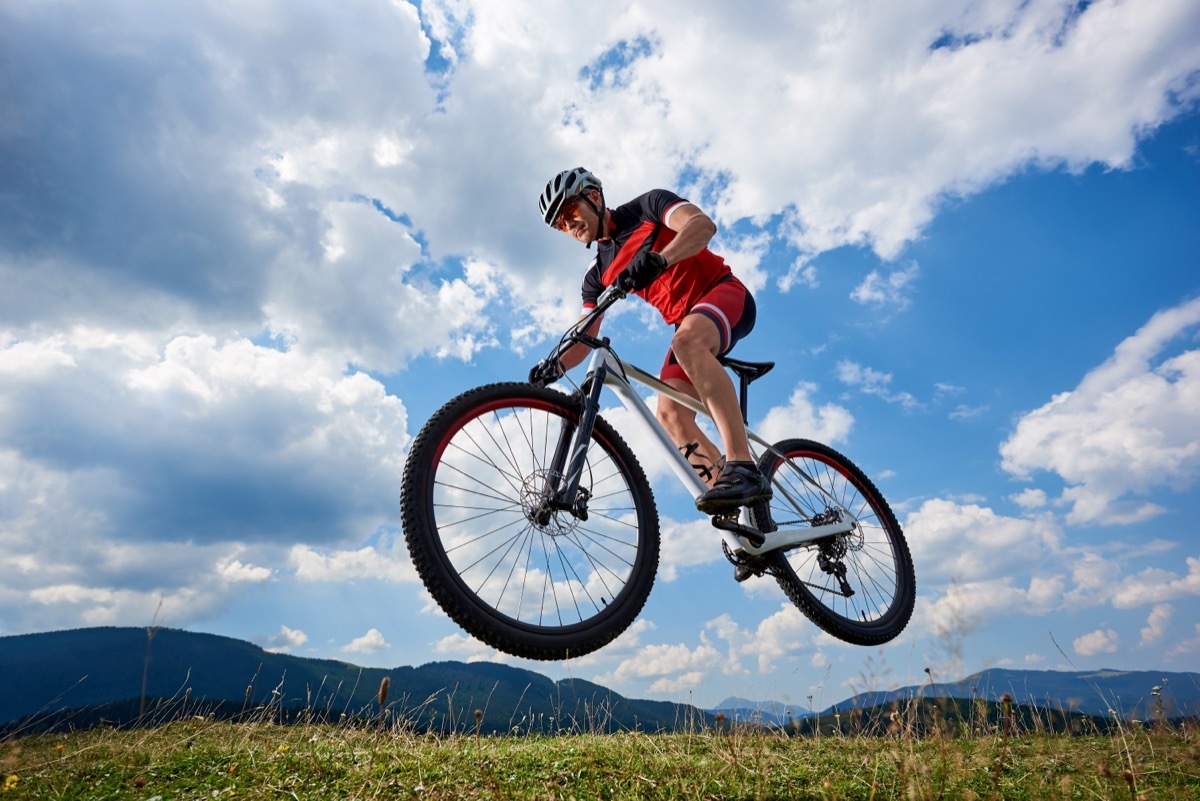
544,373
643,269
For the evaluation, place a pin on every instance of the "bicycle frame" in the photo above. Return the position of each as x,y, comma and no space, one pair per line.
606,369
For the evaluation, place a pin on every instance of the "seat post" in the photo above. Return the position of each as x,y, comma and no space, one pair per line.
746,373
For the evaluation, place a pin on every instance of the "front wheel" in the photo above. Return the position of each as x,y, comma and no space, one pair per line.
531,580
858,586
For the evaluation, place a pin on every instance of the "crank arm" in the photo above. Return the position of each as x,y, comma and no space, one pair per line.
743,532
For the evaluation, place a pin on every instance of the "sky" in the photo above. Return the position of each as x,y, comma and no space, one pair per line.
247,250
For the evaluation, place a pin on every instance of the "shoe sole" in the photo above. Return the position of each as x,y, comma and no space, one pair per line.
718,505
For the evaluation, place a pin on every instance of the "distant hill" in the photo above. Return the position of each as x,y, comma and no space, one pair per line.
118,674
1128,694
768,713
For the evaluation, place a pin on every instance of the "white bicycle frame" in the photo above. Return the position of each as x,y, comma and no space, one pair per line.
618,376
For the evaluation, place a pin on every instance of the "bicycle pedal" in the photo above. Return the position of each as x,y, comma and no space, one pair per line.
730,523
749,568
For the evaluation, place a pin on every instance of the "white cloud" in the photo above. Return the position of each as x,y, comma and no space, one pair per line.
631,641
1129,427
162,437
1188,646
369,643
108,606
964,607
828,423
365,563
1100,641
782,635
946,121
873,382
964,412
33,360
688,681
1156,624
284,640
1155,585
261,153
233,571
462,646
1030,499
654,661
686,545
177,469
891,290
969,542
1095,579
745,257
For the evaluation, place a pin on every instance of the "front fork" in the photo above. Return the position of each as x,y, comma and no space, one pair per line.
562,491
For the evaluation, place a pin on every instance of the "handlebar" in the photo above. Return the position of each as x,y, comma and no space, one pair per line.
578,332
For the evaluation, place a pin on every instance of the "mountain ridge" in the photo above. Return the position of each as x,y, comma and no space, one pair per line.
1125,693
98,668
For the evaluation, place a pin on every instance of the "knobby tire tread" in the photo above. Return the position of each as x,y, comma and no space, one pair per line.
440,578
856,633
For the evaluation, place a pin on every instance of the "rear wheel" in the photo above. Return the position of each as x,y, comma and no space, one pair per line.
858,586
532,581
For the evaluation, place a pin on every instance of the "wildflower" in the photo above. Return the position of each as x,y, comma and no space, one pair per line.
281,749
10,783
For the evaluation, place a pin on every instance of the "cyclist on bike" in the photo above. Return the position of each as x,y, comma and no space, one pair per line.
656,246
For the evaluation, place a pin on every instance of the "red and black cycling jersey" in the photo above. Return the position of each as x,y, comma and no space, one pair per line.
641,224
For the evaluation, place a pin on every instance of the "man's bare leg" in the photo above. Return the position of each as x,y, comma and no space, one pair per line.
695,345
680,422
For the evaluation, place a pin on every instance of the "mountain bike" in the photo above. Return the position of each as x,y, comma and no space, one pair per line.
533,526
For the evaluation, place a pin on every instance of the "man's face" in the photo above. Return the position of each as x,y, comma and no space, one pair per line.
578,220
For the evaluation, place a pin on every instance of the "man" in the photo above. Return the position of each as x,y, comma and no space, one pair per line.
656,246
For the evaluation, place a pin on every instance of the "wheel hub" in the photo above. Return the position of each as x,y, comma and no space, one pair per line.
536,501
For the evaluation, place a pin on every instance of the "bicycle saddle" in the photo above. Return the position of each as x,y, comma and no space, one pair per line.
748,371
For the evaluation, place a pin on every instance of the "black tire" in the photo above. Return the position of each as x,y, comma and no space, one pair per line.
878,568
541,590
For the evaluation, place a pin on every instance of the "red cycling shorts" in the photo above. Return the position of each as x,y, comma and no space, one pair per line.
731,308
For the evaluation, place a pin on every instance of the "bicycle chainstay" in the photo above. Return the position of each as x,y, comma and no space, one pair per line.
829,553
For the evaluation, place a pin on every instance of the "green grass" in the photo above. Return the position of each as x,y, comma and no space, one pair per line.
204,758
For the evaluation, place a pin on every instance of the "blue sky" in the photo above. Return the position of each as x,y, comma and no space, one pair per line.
245,256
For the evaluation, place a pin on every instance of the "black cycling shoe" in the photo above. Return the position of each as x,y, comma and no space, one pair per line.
740,484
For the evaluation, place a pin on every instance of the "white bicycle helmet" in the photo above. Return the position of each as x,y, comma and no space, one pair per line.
563,188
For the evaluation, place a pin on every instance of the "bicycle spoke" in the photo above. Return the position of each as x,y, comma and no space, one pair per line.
479,538
479,454
477,480
512,571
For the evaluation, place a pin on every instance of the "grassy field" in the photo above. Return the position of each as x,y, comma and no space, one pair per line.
202,758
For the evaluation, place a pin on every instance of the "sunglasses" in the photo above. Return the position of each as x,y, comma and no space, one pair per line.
568,215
